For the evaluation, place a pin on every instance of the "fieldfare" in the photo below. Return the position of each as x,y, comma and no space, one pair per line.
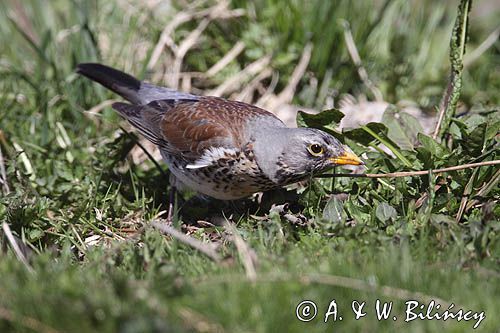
221,148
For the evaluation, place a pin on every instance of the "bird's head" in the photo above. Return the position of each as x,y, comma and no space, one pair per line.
312,150
303,152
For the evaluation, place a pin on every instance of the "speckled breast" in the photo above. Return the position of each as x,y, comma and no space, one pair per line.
233,177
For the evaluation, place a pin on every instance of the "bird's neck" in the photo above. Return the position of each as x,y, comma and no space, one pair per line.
269,146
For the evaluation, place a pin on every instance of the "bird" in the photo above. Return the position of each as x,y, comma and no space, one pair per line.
220,148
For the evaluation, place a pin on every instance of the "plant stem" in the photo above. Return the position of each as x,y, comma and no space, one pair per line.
410,173
457,51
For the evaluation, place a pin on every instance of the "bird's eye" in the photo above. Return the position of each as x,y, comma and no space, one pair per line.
315,149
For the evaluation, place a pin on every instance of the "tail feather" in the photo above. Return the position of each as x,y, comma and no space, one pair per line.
127,86
121,83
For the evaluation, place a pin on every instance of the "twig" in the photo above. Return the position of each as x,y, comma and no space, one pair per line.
420,201
247,93
226,60
485,45
165,38
185,82
95,110
25,321
485,189
442,110
465,195
268,95
220,10
356,59
410,173
3,174
233,83
286,95
457,50
206,249
298,73
183,48
244,251
25,160
15,247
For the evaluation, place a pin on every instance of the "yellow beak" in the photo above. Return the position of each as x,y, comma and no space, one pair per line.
347,158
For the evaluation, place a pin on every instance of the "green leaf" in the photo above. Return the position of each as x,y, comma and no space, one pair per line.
385,212
474,143
334,211
376,131
360,135
356,212
442,219
328,118
431,145
326,121
35,234
403,128
455,131
492,130
425,156
473,121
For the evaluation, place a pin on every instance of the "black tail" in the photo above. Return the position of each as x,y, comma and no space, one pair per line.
121,83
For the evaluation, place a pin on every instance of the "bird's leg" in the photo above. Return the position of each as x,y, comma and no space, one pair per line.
171,205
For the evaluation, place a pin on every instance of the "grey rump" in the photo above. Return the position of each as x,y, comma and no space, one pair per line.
224,149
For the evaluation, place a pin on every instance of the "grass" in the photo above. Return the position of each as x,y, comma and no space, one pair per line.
81,195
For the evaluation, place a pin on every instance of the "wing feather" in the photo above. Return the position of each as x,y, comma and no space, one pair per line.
191,128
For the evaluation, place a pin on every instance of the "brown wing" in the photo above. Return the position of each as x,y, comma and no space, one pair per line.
188,127
210,122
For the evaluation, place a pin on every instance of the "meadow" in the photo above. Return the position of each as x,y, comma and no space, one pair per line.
83,198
